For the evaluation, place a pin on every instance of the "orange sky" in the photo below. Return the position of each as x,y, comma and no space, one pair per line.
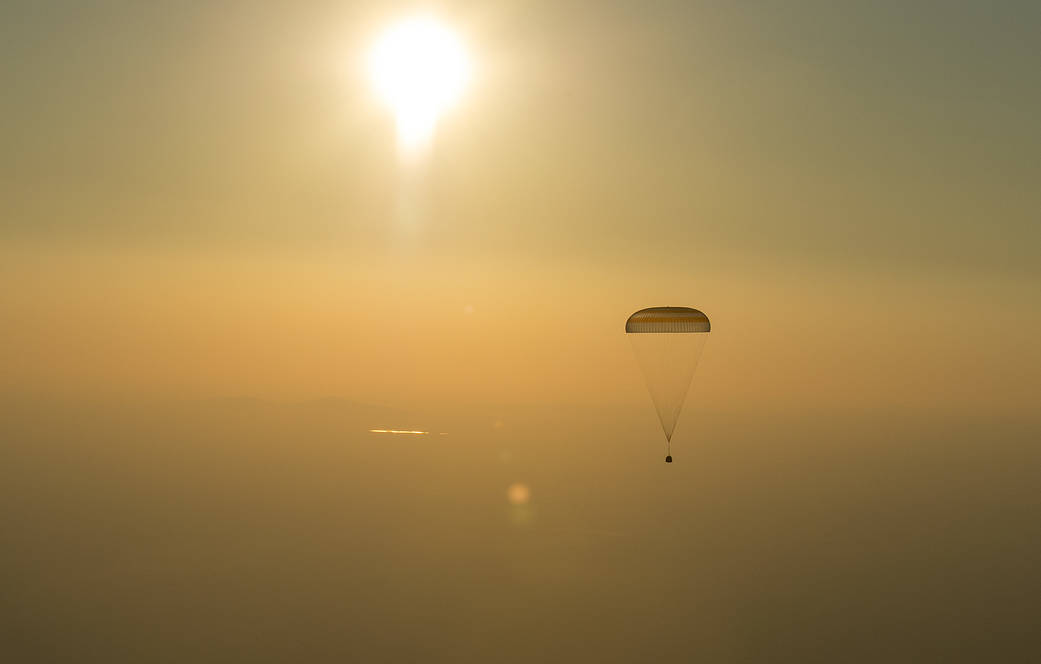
415,331
209,201
219,286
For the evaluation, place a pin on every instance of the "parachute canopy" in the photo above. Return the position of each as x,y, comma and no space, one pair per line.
667,320
668,342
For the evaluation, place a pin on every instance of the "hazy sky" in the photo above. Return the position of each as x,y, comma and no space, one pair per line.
860,177
872,133
205,200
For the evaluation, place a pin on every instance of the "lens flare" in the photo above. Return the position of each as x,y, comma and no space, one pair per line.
518,494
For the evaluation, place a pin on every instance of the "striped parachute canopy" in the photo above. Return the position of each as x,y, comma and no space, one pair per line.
668,342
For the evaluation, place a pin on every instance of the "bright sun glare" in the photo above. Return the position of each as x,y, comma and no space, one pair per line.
419,68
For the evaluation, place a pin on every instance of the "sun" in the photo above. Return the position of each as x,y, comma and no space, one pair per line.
419,68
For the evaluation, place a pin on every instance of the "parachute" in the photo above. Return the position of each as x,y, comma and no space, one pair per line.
668,342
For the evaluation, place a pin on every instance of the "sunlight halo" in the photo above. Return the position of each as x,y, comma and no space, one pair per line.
419,68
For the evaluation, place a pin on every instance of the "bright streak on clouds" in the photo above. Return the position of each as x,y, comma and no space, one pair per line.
419,68
400,431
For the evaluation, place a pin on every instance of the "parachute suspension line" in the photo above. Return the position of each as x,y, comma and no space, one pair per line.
666,359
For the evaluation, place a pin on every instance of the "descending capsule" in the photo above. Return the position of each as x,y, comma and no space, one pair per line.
668,342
